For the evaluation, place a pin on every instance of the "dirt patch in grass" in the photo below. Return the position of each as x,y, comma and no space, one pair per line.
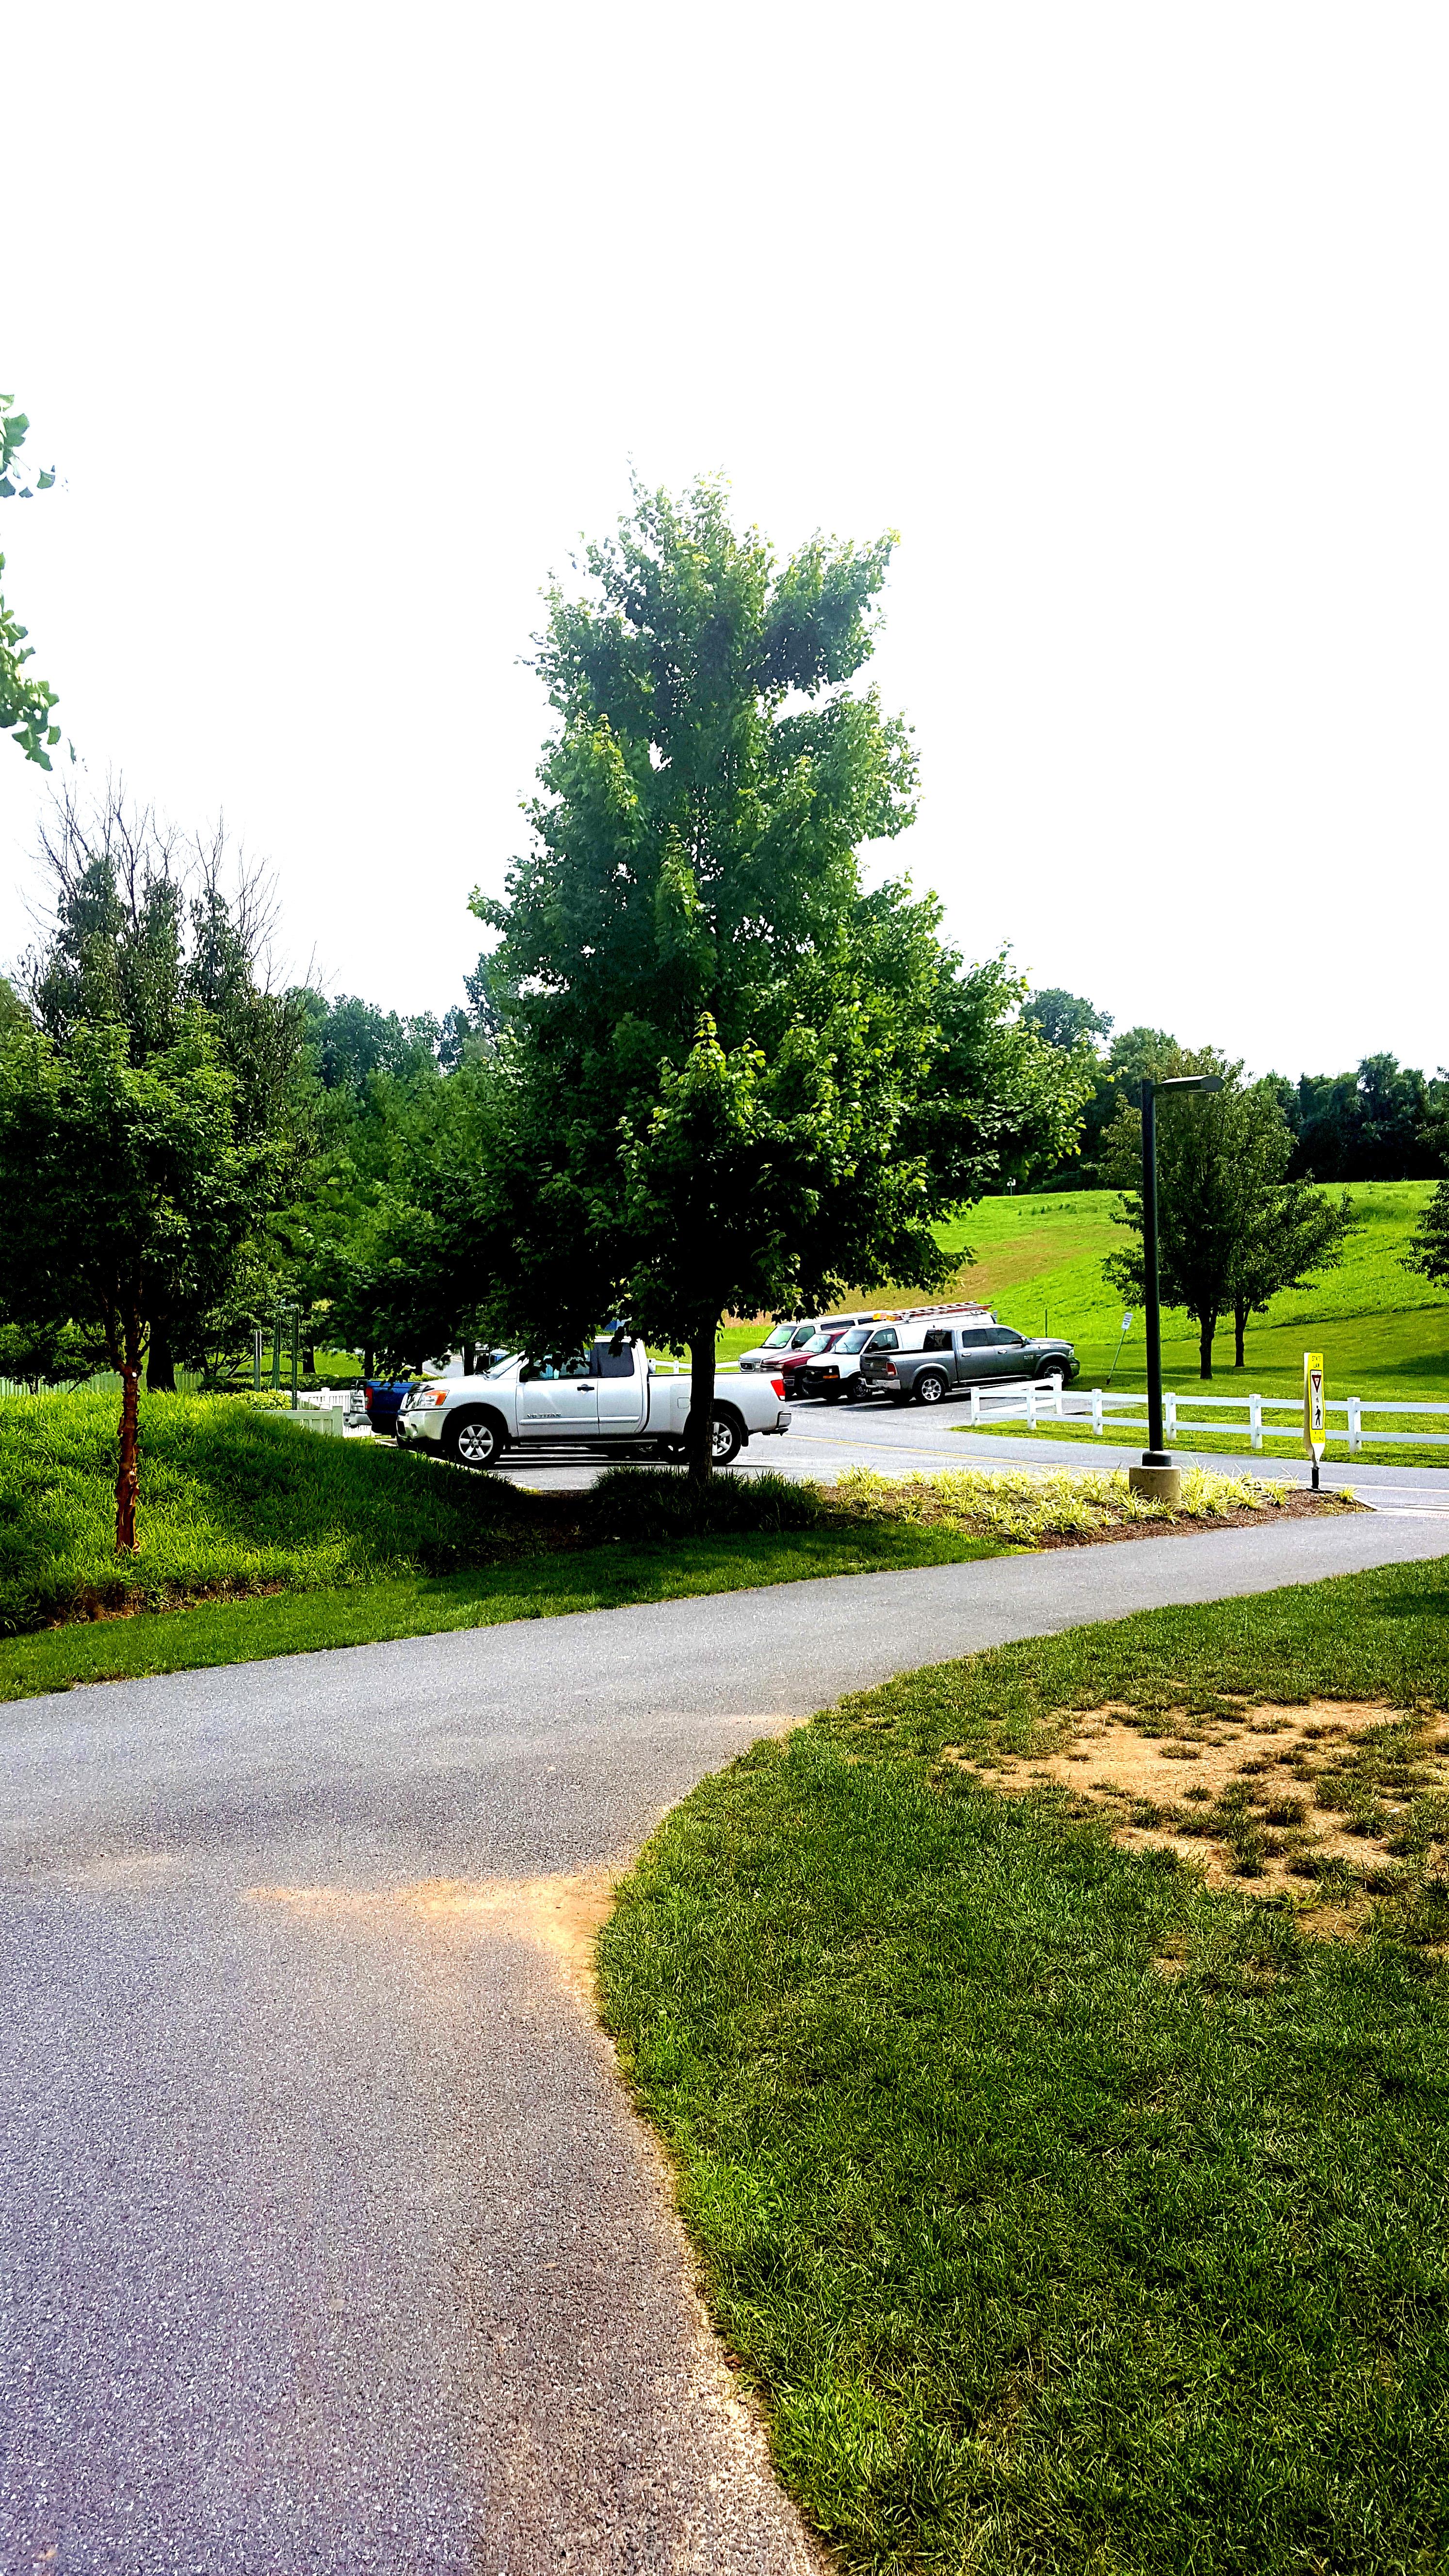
1330,1806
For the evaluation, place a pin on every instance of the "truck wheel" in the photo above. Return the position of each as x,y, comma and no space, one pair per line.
726,1439
930,1387
474,1439
1054,1369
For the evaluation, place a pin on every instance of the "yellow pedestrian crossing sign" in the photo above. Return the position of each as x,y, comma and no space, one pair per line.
1315,1411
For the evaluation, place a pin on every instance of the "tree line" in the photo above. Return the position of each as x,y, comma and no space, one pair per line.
1381,1122
704,1067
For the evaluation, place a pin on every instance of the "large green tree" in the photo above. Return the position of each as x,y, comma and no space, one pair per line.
25,702
1231,1231
732,1075
126,1195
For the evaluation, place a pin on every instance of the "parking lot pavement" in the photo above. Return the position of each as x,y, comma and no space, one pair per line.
824,1441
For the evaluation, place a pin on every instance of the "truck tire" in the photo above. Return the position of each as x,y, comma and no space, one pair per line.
474,1439
1053,1368
727,1436
930,1386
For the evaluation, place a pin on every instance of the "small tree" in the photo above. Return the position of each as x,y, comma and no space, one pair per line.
1296,1233
147,930
1428,1250
1221,1157
25,702
724,1077
125,1193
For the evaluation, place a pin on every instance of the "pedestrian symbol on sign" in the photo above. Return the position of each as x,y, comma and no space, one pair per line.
1315,1410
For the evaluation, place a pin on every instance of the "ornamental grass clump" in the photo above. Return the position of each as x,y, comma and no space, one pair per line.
1024,1508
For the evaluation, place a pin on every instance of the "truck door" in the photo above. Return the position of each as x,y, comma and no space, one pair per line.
557,1399
978,1358
622,1385
1009,1355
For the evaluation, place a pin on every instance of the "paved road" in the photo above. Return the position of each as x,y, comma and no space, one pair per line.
326,2241
823,1441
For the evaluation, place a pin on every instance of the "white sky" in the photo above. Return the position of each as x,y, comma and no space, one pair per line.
341,325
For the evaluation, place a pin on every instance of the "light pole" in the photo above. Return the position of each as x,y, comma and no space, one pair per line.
1157,1474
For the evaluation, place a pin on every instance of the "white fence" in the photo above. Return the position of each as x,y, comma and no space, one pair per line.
1106,1411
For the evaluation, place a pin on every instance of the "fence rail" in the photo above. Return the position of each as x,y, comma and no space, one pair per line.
1104,1410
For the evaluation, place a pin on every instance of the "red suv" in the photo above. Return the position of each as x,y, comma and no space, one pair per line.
794,1364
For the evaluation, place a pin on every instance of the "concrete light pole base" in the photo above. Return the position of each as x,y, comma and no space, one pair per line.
1160,1484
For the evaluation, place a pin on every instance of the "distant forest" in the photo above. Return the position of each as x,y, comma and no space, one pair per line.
1384,1121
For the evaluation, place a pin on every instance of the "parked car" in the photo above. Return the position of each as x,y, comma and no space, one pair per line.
928,1360
384,1398
794,1365
788,1340
834,1372
606,1398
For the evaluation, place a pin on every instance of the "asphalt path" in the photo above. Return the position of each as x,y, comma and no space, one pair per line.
327,2240
823,1441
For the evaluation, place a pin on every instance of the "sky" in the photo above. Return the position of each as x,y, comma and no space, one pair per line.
342,327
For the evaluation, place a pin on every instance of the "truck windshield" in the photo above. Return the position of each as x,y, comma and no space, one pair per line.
780,1339
857,1340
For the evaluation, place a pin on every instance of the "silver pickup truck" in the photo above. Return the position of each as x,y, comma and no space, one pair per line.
609,1397
927,1360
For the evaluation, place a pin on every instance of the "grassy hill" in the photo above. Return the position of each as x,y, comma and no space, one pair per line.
1382,1330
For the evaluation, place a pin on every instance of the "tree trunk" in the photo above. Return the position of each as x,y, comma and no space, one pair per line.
160,1363
309,1358
1240,1326
367,1358
126,1473
699,1437
1206,1327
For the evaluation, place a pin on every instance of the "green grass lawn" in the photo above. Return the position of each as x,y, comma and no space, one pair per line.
258,1537
1383,1330
1066,2213
549,1586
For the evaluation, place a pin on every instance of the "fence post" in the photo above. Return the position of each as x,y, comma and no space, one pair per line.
1097,1411
1355,1424
975,1404
1031,1408
1061,1417
1169,1425
1255,1421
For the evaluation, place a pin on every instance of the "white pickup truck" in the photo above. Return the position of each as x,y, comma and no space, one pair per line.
608,1397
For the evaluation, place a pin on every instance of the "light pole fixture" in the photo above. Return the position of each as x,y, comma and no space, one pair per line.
1157,1474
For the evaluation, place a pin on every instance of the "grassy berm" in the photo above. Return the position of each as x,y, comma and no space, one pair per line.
259,1537
1068,2211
